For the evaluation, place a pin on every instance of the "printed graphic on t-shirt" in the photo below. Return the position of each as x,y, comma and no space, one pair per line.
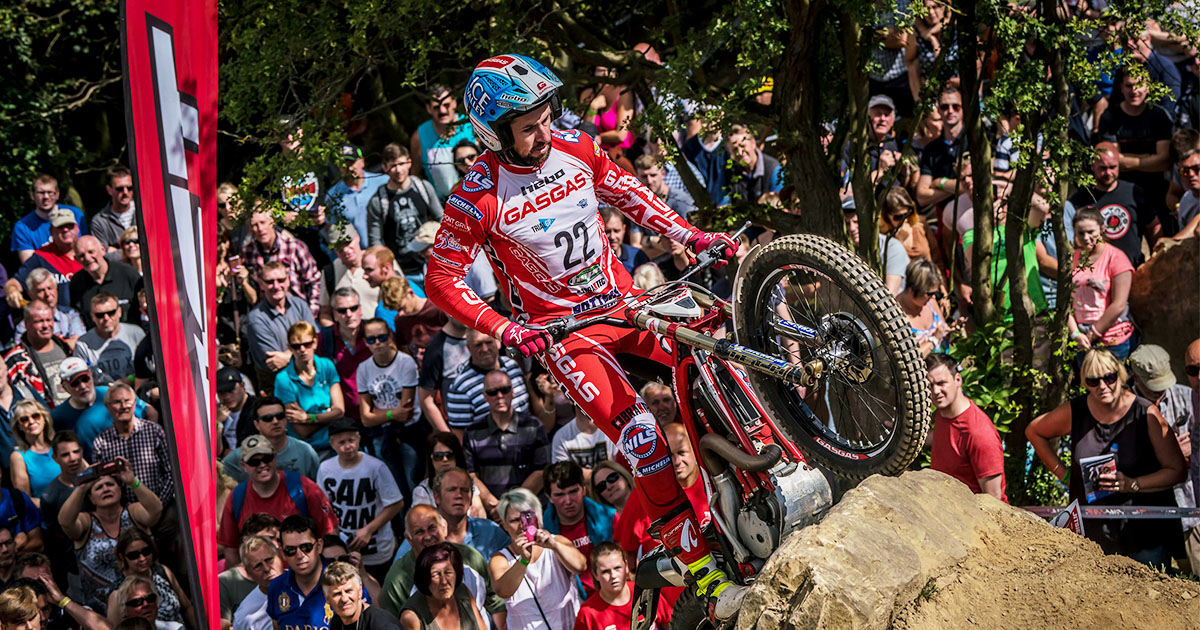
1116,221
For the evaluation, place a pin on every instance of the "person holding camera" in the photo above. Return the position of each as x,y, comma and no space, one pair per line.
536,573
94,517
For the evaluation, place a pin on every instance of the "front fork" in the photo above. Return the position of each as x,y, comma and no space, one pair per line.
761,489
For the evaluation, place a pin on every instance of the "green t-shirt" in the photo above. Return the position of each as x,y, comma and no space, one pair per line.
1000,264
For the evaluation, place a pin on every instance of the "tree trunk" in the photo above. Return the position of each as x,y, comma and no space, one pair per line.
798,90
1016,232
1057,391
984,310
860,165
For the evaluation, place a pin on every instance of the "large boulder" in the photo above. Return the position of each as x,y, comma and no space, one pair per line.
1165,300
921,551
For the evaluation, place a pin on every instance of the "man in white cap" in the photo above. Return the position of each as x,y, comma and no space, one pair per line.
1154,381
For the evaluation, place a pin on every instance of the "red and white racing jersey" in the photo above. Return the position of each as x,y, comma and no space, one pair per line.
542,230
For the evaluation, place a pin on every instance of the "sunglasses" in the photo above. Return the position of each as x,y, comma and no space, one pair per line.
222,204
1190,170
103,314
272,417
1094,381
86,378
346,309
259,460
1193,370
304,345
948,106
937,295
122,188
141,553
496,391
145,600
466,159
376,339
897,218
24,419
290,551
611,479
442,456
129,241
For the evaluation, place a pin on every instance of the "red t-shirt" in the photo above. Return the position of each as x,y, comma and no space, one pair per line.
578,536
279,505
597,614
65,265
967,447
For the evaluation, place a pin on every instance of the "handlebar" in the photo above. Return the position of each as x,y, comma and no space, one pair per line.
563,326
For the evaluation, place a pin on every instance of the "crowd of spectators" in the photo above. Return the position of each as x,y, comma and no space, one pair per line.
388,464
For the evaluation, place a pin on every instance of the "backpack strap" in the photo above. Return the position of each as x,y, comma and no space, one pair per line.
295,488
238,499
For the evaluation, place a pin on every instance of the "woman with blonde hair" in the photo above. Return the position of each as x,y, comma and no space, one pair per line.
310,390
900,220
19,609
1111,420
131,251
32,463
648,276
136,597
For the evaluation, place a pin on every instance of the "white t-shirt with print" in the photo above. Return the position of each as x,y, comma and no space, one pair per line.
357,495
385,384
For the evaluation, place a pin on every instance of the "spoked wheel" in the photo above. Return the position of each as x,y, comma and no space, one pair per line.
806,298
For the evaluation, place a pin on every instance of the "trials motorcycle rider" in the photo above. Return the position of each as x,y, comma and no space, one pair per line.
530,201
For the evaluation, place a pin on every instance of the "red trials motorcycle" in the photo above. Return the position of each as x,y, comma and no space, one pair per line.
822,372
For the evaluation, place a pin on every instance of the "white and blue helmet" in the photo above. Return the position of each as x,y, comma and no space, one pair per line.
504,87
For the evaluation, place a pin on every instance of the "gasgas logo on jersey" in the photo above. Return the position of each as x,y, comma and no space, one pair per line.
554,193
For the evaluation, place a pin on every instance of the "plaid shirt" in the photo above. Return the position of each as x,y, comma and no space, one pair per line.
503,458
146,450
304,279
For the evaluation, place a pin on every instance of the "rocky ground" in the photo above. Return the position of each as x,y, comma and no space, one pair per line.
921,552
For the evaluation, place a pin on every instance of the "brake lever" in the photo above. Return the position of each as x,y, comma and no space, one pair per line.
712,255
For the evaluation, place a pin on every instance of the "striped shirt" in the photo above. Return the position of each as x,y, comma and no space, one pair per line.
503,458
465,402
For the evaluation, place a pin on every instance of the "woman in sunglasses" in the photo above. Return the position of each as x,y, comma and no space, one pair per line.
32,463
1112,419
1102,275
445,453
920,302
900,220
611,485
94,517
131,253
137,556
309,389
136,597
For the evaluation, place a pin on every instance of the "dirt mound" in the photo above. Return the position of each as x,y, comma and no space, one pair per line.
921,552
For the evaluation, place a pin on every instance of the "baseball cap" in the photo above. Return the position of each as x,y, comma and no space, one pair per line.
256,445
61,216
227,379
343,425
349,152
1151,366
71,367
425,237
881,99
340,234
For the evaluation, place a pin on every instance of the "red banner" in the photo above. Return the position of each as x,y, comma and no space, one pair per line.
170,57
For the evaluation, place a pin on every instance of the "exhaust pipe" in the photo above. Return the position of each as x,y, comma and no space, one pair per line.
716,451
